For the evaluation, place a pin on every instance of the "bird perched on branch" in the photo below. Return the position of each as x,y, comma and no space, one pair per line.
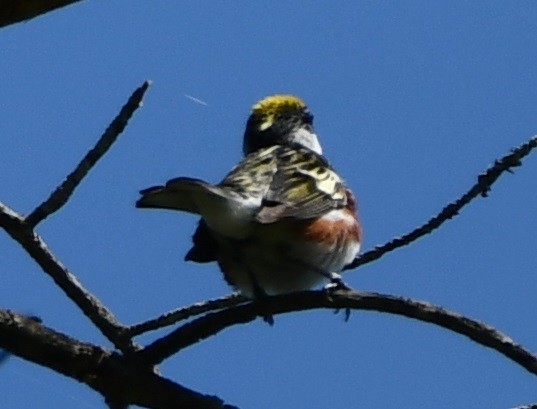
282,220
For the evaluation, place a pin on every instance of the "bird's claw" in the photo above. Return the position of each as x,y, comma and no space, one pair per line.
336,283
264,311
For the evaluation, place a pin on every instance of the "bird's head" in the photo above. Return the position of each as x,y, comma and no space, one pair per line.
280,120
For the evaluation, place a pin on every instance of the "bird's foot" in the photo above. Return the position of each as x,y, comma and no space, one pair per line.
263,308
336,283
261,299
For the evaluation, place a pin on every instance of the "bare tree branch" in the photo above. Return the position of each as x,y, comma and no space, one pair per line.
15,11
119,378
212,323
184,313
103,318
482,187
63,192
21,230
130,378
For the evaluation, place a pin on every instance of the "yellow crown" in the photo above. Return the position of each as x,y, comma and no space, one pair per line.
277,103
268,108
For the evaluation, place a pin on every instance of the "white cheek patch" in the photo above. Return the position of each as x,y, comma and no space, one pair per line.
308,139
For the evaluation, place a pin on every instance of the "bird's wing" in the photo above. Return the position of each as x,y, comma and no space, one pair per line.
304,187
250,180
248,183
185,194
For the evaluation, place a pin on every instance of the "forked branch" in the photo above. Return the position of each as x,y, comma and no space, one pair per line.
90,305
22,230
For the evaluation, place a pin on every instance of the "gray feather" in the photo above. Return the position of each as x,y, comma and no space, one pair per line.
184,194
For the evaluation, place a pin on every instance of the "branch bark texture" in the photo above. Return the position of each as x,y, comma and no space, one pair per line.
119,378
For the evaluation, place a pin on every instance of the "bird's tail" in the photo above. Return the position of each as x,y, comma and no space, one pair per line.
185,194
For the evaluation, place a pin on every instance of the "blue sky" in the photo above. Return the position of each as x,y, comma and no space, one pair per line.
411,101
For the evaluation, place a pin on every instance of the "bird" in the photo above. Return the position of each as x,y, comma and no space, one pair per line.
282,220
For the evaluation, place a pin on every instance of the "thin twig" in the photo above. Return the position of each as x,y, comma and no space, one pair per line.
102,317
184,313
482,187
212,323
63,192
